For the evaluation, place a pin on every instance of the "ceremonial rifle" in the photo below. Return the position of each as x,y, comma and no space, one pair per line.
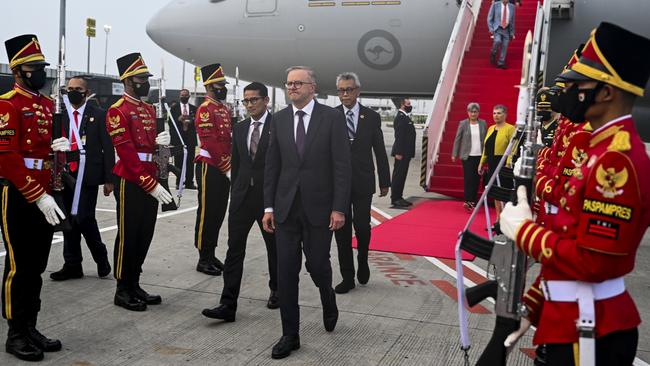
59,158
163,152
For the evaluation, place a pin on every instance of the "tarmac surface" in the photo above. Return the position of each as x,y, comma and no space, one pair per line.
385,322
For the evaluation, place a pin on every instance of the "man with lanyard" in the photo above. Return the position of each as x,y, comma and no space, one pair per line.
213,168
131,124
86,127
603,216
29,212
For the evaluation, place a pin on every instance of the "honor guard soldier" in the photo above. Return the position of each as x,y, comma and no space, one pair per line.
28,210
131,124
548,117
588,316
213,126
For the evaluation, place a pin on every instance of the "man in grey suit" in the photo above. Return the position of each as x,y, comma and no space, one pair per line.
307,182
501,23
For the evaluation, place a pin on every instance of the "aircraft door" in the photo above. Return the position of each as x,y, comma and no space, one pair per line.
261,7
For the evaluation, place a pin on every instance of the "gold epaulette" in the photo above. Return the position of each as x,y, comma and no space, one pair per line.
47,97
205,104
118,103
8,95
620,142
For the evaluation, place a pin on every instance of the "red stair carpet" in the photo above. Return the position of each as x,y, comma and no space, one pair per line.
429,229
482,83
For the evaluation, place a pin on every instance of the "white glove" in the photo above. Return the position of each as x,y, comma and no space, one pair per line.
228,174
513,216
50,209
161,194
517,168
514,336
163,138
61,144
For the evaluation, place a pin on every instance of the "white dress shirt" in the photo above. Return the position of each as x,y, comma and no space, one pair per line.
308,109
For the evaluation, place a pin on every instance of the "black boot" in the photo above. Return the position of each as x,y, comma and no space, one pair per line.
41,341
147,298
125,297
224,312
19,344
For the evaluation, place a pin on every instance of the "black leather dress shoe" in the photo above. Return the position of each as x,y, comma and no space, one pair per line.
147,298
400,204
129,301
285,345
66,273
103,268
208,268
42,342
19,345
344,287
363,273
217,263
224,312
405,202
274,300
330,312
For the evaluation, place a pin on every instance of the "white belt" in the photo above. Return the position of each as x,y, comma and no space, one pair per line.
567,291
35,164
585,294
145,156
205,153
550,209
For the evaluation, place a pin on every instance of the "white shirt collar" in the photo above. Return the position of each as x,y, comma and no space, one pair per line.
261,120
354,109
308,109
611,123
80,110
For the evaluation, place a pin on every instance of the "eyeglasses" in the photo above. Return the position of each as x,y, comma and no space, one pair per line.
252,100
346,90
296,84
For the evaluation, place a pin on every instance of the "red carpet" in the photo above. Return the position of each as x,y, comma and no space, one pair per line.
429,229
482,83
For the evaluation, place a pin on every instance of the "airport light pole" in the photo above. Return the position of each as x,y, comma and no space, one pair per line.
107,29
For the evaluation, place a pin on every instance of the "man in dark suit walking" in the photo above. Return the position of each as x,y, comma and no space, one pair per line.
403,150
364,131
86,122
307,182
250,140
183,113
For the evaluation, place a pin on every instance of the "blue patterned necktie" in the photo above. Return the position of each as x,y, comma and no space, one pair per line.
350,119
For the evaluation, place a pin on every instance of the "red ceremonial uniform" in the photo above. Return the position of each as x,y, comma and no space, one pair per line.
131,124
595,235
213,125
26,133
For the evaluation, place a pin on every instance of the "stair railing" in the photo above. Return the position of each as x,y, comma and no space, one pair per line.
459,42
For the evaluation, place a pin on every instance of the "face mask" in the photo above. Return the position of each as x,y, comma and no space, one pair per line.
36,79
141,89
221,93
76,97
408,109
545,115
575,102
184,100
555,102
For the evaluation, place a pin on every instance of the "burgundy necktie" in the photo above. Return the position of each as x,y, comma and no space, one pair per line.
73,141
300,133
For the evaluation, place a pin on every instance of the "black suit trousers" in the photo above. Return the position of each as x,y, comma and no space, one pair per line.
136,221
214,188
359,216
294,236
83,224
239,226
27,240
189,168
400,171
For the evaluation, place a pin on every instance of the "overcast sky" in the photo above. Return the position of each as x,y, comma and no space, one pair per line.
128,19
